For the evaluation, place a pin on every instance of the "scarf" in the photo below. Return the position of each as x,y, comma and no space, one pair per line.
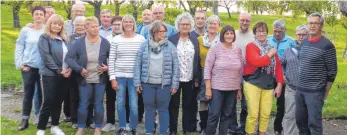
208,43
156,47
264,49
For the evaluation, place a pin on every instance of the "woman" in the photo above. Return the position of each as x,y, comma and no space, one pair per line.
156,76
28,60
222,75
88,57
122,60
190,70
79,30
262,69
54,73
290,62
210,38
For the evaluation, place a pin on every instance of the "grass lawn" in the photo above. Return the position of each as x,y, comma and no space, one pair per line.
335,105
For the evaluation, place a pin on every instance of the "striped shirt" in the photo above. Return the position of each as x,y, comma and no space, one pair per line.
224,67
290,62
123,54
318,64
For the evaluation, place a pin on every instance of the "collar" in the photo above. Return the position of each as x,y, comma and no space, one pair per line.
285,38
316,39
102,27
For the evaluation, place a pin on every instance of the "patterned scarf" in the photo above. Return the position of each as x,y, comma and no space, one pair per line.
156,47
208,43
264,49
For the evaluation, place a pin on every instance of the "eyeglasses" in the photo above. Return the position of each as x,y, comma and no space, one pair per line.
161,32
301,35
314,23
185,24
158,13
128,22
260,32
244,20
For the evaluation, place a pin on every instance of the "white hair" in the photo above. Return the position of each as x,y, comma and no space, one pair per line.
78,4
302,27
186,16
279,24
79,18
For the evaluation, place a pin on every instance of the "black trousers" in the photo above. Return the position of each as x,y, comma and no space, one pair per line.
110,103
189,105
280,112
30,78
53,90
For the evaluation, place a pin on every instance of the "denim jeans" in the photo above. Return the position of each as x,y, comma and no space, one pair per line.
123,84
156,98
233,126
37,104
30,79
89,92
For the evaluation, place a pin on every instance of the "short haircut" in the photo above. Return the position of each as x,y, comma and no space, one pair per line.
226,29
279,24
260,24
104,11
321,17
201,11
212,18
79,18
51,8
91,19
302,27
182,16
40,8
132,19
78,4
55,18
116,18
156,28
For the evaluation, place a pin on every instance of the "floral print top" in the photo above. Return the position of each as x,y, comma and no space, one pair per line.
185,51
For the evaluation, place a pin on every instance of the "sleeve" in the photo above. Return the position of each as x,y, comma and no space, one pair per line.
138,66
176,68
210,60
144,31
198,76
46,55
20,46
241,60
278,70
253,56
330,62
284,58
71,56
112,60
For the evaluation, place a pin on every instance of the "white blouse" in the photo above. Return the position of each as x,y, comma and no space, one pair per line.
185,52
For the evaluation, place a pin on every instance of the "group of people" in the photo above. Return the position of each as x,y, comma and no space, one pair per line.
145,68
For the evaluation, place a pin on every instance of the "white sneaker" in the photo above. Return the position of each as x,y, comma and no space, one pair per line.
108,127
40,132
127,128
55,130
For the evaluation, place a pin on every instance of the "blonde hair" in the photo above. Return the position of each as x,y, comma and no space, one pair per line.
91,19
130,17
56,18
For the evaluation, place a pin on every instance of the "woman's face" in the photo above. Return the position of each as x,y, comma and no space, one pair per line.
260,34
56,27
79,27
185,26
128,25
38,16
229,37
213,26
161,34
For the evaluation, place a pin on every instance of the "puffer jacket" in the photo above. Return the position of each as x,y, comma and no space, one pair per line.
171,71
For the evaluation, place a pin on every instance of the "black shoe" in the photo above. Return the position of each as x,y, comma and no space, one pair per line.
67,119
202,132
122,131
133,131
24,125
187,133
172,133
155,127
278,133
241,132
232,132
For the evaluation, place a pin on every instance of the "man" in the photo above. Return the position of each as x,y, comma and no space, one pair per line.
158,15
200,21
105,27
49,12
281,42
244,36
318,69
77,9
110,93
147,19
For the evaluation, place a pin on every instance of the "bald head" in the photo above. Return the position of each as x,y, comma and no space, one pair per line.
77,9
244,21
158,13
147,16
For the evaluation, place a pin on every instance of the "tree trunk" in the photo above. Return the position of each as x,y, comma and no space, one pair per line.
15,11
135,10
228,9
97,7
117,7
182,4
215,8
149,5
345,53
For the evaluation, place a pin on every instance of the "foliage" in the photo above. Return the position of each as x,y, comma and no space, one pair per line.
171,14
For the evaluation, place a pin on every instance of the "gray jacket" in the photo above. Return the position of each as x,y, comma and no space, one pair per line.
51,52
171,70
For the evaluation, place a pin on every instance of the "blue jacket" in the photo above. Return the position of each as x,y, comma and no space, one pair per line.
193,36
171,30
77,59
171,70
283,45
139,28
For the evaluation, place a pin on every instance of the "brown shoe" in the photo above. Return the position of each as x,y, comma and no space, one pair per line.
24,125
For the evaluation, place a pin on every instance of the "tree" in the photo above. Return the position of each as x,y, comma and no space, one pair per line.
97,6
227,5
16,6
343,9
215,8
117,4
193,5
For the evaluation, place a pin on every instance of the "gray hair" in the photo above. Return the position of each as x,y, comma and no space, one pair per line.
201,11
186,16
104,11
321,17
155,27
302,27
78,4
212,18
279,24
78,19
51,8
132,19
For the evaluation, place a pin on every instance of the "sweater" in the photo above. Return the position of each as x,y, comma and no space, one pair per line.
318,64
203,51
290,62
242,40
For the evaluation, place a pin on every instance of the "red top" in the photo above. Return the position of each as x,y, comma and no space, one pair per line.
254,61
315,39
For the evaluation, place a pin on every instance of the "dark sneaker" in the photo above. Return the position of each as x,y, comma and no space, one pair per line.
24,125
133,131
122,131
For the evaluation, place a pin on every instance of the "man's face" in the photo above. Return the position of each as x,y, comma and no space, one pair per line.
279,33
92,28
244,21
200,19
314,25
106,19
49,13
78,11
147,16
117,27
158,14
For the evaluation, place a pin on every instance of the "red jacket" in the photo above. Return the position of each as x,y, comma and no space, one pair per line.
254,61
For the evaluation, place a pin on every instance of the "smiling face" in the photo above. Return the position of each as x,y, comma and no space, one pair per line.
229,37
117,27
79,27
79,10
128,25
213,26
56,27
244,21
185,26
38,16
200,19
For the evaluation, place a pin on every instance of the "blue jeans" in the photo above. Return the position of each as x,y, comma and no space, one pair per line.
37,104
123,84
87,93
156,97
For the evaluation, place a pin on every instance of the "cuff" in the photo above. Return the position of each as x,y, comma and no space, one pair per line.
112,77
